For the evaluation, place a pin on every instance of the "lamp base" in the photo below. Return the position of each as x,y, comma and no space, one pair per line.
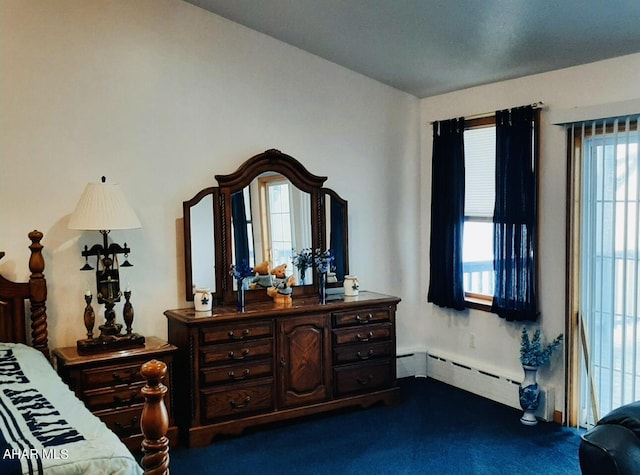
110,343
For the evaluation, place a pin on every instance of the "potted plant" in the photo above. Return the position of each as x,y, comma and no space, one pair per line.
533,354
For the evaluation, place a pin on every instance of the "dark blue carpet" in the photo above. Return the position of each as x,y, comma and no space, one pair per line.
437,429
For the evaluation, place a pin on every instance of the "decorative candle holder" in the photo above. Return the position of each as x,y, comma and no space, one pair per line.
110,337
127,311
89,315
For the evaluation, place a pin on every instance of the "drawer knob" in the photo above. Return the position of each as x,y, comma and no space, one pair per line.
129,401
135,424
233,356
245,374
243,335
243,404
359,337
367,319
365,381
130,377
364,357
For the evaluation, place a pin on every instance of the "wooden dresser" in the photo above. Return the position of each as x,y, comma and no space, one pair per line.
236,370
110,383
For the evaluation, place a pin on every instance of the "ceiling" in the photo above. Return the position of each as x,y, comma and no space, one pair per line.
430,47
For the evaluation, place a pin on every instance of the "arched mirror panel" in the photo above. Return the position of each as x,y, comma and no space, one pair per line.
336,235
201,263
270,218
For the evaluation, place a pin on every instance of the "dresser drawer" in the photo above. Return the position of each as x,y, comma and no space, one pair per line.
362,334
112,375
124,422
123,396
239,351
236,332
361,352
362,377
236,372
361,317
240,400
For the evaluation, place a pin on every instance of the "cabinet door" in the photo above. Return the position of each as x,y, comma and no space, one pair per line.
304,360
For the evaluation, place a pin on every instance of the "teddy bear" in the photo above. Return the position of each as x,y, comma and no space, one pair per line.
263,279
282,287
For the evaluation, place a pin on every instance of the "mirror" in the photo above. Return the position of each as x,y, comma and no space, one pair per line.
203,268
199,243
336,236
269,207
269,219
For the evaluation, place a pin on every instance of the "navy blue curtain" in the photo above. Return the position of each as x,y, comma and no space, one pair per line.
515,215
240,234
446,287
336,238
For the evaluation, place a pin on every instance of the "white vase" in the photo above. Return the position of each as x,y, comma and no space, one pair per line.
351,285
529,396
202,300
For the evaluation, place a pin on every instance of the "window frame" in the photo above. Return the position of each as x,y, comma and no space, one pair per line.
575,140
264,183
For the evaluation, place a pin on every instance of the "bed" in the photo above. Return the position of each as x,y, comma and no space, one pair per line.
44,428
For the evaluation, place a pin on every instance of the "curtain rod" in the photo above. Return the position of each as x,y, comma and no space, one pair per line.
535,105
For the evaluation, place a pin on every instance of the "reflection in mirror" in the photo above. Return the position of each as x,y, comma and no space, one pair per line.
336,235
270,218
203,261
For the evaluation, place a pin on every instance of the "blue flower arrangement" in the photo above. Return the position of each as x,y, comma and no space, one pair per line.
241,271
302,260
323,260
532,353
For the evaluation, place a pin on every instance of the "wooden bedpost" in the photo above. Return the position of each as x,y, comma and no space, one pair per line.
155,420
38,295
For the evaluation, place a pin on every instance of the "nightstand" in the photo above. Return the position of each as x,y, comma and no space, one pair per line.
110,384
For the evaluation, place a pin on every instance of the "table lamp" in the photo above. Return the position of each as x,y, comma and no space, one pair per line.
103,207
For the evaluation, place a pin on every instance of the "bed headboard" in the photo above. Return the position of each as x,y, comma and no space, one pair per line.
13,296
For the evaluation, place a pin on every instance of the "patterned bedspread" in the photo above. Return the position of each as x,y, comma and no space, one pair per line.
45,429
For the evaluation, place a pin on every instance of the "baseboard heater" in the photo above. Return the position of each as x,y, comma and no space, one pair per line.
485,383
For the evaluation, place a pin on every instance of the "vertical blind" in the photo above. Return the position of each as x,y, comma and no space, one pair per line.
609,302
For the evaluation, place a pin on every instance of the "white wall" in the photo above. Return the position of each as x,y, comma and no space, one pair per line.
159,95
497,341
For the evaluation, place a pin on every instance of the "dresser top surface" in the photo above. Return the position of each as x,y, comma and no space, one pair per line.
153,346
337,302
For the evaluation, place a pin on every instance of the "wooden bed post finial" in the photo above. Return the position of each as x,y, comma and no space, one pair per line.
155,420
38,299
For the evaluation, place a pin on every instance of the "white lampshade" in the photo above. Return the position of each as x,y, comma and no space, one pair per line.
103,207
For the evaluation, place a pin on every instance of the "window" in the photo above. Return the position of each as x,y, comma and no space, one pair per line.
607,234
477,249
472,217
276,207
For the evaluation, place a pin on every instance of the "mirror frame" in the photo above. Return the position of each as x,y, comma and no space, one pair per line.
188,258
269,161
329,193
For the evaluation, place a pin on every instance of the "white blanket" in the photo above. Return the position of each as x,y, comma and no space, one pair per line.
45,429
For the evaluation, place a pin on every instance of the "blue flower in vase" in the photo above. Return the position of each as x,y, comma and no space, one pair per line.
241,271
